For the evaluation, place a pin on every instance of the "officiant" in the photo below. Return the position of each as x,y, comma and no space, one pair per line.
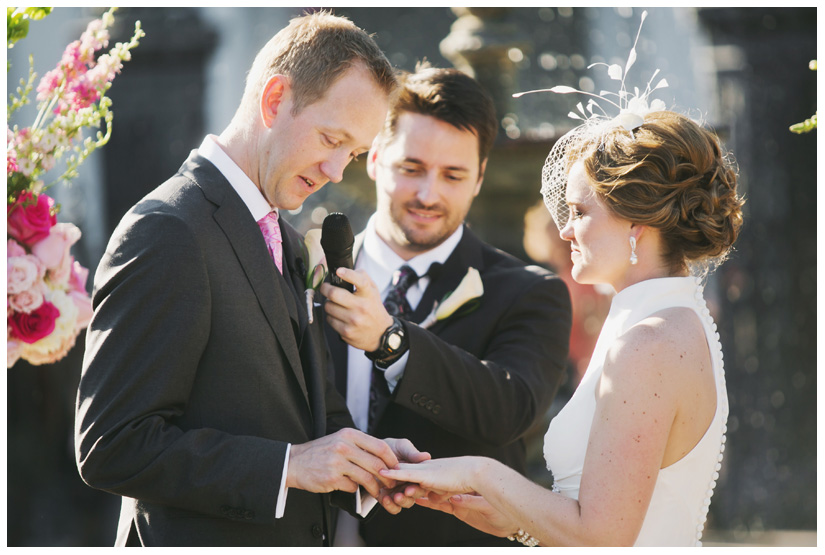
461,375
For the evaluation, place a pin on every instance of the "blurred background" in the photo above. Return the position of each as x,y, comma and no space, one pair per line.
744,71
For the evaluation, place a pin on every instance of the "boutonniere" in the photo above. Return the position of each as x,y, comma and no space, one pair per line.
316,264
465,297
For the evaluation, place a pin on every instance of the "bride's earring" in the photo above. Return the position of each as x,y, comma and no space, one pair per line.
633,258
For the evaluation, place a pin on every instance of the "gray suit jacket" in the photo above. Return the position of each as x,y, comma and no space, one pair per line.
200,367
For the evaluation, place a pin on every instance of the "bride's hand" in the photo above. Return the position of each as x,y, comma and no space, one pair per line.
474,510
453,475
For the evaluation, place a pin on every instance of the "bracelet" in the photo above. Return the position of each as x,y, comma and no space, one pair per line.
524,538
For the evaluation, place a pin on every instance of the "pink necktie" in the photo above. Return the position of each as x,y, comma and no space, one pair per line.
272,235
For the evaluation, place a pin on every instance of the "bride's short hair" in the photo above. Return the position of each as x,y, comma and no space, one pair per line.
670,174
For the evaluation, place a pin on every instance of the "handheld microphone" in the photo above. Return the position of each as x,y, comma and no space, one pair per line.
337,240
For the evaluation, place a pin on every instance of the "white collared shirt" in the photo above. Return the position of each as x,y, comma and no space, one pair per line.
380,262
246,189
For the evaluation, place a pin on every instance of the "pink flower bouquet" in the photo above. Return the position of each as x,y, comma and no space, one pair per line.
47,305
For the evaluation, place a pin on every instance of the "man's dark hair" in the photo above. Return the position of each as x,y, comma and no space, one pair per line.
447,95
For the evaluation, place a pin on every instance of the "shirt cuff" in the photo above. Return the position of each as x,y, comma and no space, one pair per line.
280,506
395,371
365,505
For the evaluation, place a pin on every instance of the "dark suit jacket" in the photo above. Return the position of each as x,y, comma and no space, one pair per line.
200,367
473,384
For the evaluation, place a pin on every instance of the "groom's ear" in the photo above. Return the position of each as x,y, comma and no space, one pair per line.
372,156
273,98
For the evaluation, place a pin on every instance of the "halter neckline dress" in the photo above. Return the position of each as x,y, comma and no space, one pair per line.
681,497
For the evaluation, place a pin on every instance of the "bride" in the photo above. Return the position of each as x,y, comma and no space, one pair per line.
636,451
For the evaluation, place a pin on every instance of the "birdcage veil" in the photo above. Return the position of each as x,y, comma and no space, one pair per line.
632,106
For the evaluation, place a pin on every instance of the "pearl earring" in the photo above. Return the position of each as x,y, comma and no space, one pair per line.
633,258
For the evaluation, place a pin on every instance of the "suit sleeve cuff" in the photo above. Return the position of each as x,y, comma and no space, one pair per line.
280,506
395,371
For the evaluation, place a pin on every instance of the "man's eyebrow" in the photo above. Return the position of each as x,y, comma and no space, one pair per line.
421,163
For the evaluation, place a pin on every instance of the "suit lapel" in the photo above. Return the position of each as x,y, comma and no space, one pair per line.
246,239
467,254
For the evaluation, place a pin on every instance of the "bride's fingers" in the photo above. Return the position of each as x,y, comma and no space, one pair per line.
443,506
469,501
403,473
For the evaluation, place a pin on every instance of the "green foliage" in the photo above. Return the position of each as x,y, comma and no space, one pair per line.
17,22
810,123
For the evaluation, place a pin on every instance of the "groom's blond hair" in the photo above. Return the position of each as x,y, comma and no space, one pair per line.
313,51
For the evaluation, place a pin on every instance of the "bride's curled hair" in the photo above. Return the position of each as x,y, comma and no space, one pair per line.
670,174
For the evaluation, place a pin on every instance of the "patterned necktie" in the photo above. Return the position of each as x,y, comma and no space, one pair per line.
396,299
272,235
396,304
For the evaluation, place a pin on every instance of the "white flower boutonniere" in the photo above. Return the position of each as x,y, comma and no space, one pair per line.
316,263
464,297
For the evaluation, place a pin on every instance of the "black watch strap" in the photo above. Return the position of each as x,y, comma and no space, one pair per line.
394,343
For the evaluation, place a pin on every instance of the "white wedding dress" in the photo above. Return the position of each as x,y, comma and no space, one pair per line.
679,506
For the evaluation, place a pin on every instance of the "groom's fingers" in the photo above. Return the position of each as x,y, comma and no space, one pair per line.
406,451
372,455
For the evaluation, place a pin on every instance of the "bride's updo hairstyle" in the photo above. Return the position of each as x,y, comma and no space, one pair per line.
670,174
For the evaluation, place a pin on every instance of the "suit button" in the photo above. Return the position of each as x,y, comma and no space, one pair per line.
249,515
317,531
225,510
430,404
416,397
436,409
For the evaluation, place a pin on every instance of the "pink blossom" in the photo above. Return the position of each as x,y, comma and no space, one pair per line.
84,308
49,84
73,62
33,326
28,300
14,349
13,248
11,162
77,281
93,39
81,94
53,250
30,218
22,272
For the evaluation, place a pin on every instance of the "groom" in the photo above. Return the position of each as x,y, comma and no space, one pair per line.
475,381
203,400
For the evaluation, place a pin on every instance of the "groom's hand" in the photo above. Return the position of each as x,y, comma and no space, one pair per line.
342,461
403,496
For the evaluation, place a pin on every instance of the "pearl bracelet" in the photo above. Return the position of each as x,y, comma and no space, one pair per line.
524,538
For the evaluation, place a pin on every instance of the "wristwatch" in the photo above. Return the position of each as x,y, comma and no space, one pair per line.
394,343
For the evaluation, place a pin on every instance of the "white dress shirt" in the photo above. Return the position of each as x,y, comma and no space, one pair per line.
380,262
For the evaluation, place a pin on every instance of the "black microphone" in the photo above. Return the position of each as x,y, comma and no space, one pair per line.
337,240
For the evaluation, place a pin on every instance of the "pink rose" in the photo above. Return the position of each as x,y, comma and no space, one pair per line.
13,248
14,349
27,301
53,250
77,281
84,309
22,273
33,326
30,219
